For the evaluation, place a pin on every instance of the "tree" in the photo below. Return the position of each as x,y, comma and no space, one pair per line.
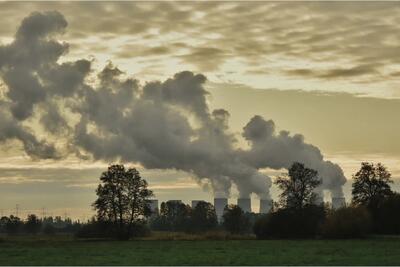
174,216
290,223
371,184
203,217
122,199
298,186
12,224
387,216
234,220
347,222
33,224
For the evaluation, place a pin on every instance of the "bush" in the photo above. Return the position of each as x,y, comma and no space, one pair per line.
290,223
49,229
12,225
347,222
386,218
140,229
103,229
33,224
95,229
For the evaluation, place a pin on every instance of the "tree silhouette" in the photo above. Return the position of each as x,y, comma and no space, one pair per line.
298,186
203,217
176,215
235,220
32,224
371,184
12,225
122,199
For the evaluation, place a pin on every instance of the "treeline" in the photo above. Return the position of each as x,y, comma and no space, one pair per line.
374,208
176,216
123,210
13,225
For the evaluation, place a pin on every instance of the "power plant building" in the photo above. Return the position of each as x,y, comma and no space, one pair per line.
244,204
219,205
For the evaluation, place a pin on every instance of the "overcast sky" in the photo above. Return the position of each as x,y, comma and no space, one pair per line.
326,70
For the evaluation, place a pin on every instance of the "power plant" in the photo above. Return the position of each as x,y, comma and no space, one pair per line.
244,204
338,202
219,205
266,205
153,204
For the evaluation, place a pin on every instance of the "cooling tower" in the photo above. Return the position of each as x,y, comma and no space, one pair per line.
153,203
319,200
220,204
265,205
338,202
244,204
195,202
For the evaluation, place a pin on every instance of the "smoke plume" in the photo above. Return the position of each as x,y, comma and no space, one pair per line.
161,125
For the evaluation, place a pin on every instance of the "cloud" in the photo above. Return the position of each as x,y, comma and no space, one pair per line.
206,58
279,150
336,73
327,32
11,129
160,125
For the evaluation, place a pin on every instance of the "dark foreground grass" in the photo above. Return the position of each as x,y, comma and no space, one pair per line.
67,251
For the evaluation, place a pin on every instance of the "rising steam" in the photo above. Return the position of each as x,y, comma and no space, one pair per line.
162,125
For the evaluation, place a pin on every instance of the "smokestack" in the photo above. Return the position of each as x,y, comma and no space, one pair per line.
194,203
153,203
319,200
219,205
244,204
265,205
338,202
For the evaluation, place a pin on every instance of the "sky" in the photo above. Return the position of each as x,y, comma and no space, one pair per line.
77,78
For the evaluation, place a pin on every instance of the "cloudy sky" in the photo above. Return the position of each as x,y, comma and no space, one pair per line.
326,70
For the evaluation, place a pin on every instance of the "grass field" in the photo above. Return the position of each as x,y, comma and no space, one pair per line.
67,251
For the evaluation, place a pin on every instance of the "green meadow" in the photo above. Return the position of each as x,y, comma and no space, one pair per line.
65,250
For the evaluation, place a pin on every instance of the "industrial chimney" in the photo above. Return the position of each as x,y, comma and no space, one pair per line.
219,205
338,202
265,205
319,200
244,204
153,204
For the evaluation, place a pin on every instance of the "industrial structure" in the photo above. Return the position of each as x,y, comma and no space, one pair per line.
244,204
338,202
266,205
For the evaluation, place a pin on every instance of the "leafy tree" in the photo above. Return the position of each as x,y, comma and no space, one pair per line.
122,199
234,220
290,223
175,216
347,222
387,216
298,186
203,217
371,184
32,224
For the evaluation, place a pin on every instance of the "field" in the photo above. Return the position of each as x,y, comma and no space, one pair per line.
68,251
